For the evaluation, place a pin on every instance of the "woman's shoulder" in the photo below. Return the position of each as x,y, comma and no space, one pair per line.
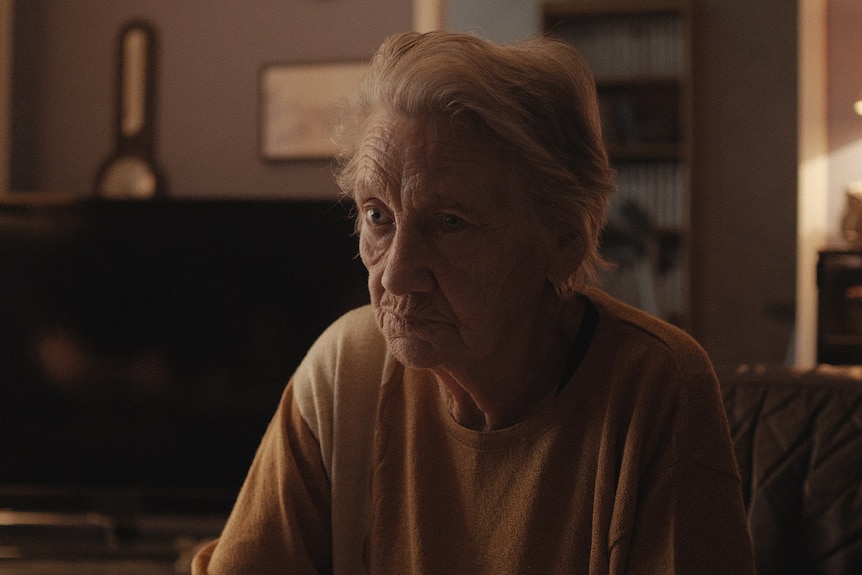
631,329
350,344
356,324
342,373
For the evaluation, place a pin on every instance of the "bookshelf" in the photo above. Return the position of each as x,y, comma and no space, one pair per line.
639,53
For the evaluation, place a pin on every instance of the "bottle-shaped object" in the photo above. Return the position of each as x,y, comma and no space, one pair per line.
131,171
851,221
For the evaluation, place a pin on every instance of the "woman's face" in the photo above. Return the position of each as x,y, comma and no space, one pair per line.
458,268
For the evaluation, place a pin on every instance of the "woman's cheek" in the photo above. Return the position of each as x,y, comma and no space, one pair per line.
371,249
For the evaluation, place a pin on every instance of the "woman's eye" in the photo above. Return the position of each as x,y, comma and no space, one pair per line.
451,223
377,217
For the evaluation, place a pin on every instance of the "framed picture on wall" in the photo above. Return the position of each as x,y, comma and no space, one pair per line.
299,107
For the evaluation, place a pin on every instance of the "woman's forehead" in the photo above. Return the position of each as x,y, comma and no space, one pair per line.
429,161
395,143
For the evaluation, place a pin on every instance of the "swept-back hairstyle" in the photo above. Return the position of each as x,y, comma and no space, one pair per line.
537,98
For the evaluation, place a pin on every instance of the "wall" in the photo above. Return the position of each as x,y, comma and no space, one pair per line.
844,88
6,15
498,20
744,179
208,112
813,170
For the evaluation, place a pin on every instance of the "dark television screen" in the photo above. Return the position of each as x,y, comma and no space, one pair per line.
146,345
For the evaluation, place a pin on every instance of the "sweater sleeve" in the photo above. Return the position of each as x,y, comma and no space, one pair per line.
303,506
281,519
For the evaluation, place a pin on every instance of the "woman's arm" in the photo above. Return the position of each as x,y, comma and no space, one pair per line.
281,520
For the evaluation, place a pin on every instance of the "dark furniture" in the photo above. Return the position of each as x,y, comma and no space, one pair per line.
798,441
839,303
143,350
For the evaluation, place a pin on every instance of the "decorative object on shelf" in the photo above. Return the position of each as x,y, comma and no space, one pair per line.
851,223
299,107
131,171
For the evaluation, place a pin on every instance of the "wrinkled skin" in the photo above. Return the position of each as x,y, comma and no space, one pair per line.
460,275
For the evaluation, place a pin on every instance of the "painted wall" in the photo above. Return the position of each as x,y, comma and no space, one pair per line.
5,90
498,20
845,87
208,110
744,179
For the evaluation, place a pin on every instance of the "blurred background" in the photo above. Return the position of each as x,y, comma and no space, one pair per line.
182,317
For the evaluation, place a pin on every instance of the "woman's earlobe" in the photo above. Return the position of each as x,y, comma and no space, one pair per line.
567,259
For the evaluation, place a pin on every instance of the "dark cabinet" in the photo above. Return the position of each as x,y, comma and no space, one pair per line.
839,317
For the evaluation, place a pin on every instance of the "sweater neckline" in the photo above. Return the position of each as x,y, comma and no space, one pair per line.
546,415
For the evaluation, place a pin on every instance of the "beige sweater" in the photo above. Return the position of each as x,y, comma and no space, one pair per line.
362,469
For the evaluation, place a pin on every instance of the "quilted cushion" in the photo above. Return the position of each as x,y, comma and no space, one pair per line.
798,441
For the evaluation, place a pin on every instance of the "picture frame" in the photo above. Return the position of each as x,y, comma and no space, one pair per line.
299,107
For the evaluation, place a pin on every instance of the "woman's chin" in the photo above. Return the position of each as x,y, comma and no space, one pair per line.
415,352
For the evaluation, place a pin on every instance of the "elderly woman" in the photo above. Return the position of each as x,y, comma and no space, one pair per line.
488,412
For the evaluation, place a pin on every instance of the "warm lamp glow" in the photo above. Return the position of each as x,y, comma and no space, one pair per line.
858,106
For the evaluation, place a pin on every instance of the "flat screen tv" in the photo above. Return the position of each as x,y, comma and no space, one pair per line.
144,346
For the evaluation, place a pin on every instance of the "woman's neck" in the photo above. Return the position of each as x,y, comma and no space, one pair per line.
505,391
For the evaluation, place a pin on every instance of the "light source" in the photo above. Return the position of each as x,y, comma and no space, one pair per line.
858,105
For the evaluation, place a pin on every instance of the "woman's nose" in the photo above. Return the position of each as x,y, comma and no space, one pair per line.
407,265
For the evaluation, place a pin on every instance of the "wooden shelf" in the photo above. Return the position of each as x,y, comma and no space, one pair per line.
639,82
638,51
569,8
644,152
843,340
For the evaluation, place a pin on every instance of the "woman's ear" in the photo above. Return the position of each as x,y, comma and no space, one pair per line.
565,259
